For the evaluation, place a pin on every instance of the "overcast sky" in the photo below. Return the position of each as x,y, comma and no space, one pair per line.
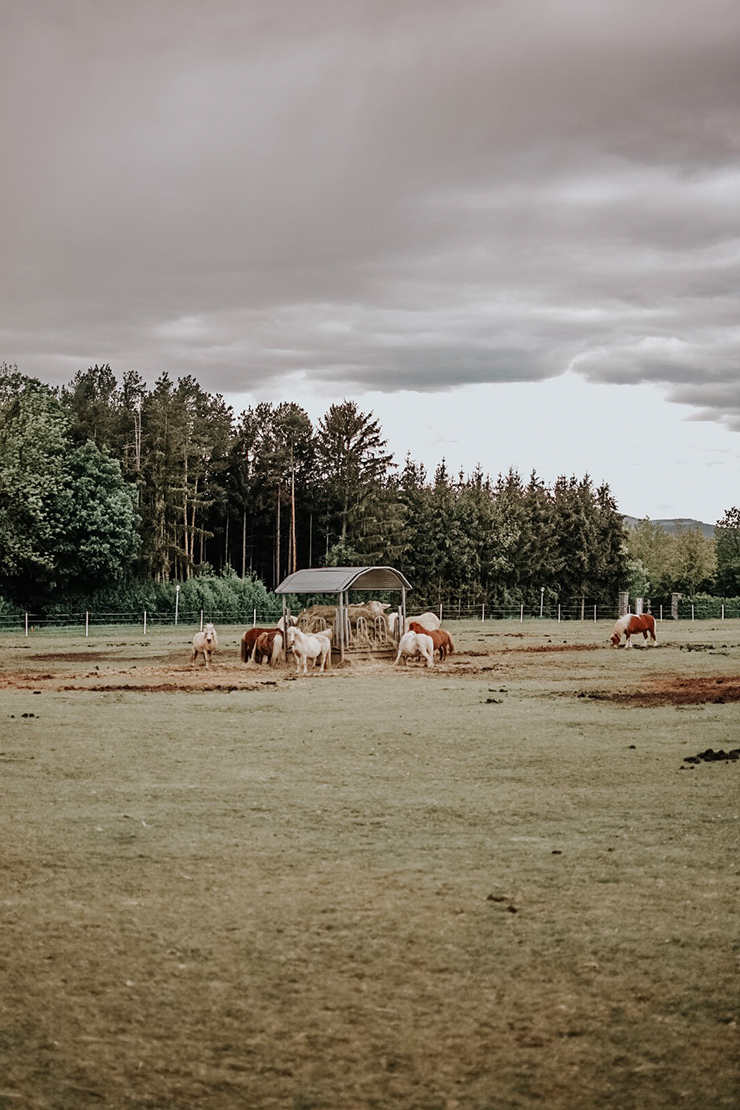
509,228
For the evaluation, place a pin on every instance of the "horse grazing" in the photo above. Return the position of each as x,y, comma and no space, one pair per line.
305,647
204,643
442,640
413,645
631,623
269,646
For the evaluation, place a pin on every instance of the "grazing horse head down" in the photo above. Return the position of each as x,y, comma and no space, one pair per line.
413,645
204,643
632,623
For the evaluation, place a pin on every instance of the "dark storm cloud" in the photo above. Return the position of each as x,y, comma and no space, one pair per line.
407,195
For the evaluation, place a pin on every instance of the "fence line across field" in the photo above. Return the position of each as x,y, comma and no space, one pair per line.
89,622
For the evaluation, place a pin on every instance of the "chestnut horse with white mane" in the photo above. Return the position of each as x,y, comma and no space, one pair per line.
626,626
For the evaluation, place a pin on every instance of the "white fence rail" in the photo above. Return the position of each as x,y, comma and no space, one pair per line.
91,623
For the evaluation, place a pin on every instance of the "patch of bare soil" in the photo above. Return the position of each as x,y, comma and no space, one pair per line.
683,691
538,648
161,675
69,657
153,679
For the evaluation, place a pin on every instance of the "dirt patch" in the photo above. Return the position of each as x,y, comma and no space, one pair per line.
169,687
69,656
539,648
682,691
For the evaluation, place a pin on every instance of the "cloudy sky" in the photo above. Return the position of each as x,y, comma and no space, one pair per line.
510,228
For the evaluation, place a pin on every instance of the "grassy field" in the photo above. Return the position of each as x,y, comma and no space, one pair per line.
495,885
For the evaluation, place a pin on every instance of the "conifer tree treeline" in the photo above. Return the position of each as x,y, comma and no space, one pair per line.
267,493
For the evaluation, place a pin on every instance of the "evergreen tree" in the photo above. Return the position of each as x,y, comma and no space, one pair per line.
352,464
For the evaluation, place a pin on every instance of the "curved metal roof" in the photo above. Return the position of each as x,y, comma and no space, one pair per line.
334,580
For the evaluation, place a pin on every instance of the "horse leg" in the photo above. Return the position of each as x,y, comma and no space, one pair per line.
627,641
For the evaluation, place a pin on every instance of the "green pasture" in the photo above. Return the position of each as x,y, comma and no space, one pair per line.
489,887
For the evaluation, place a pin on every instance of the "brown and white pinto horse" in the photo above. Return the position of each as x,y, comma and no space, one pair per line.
630,624
269,646
249,639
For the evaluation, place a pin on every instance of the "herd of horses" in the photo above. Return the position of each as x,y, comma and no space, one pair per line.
422,638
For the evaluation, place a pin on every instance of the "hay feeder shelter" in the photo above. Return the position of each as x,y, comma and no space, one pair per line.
362,637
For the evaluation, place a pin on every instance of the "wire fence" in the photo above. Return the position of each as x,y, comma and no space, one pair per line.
91,623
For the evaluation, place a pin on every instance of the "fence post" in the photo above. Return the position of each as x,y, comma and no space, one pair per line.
201,620
583,608
521,614
661,613
723,610
26,624
254,618
692,611
558,612
145,622
594,614
87,623
483,612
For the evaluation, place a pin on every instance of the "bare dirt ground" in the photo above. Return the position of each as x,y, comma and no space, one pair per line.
507,882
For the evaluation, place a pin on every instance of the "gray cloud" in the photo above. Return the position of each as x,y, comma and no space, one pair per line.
380,195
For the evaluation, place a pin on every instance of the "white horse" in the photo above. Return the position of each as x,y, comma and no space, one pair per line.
308,646
204,643
413,645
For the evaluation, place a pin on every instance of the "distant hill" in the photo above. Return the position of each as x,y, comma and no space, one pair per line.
673,523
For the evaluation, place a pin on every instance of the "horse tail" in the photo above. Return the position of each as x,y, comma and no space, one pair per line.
244,650
277,649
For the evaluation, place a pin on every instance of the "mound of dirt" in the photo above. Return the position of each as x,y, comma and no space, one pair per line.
712,756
